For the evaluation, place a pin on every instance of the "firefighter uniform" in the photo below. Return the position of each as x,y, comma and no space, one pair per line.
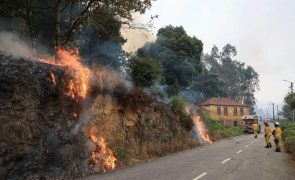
255,129
267,134
277,136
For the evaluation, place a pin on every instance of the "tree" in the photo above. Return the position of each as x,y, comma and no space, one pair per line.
290,100
209,84
240,82
68,17
179,54
286,112
145,71
27,11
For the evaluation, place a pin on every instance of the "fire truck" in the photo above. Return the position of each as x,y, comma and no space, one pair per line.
249,121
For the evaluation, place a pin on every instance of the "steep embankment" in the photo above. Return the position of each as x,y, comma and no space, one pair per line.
45,132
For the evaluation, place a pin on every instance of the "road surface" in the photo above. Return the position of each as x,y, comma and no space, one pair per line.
239,158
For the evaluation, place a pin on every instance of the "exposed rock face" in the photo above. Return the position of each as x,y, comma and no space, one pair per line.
36,123
40,137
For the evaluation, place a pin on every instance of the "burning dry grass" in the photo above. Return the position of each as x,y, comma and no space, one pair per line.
107,80
201,129
101,156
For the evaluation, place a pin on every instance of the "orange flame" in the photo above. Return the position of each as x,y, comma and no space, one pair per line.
53,79
78,86
102,157
201,128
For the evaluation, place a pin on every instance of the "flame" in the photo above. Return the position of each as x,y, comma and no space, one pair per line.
78,86
53,79
102,157
75,114
201,128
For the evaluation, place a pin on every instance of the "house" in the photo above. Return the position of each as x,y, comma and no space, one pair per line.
227,110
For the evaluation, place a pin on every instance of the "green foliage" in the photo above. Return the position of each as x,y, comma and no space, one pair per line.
209,84
122,152
288,137
179,54
218,130
64,20
178,106
290,100
238,81
145,71
286,112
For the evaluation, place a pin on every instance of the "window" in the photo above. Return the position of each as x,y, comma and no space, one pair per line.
235,123
241,111
225,111
218,111
235,111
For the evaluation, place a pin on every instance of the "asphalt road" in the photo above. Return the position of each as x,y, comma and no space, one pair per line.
239,158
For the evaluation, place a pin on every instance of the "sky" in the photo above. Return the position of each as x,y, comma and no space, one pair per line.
263,32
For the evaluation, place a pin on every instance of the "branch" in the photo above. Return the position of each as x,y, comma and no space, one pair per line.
66,5
76,22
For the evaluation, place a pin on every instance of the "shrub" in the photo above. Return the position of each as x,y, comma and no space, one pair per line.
217,129
178,106
288,137
145,71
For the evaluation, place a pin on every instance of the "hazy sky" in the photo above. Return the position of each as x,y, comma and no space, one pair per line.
263,32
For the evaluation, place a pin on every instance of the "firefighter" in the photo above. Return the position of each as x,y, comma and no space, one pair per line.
255,129
267,134
277,136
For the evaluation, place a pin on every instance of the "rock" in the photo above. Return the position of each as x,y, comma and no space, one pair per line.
3,172
129,123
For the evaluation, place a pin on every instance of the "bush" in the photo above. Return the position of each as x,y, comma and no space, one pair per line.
288,137
145,71
178,106
217,129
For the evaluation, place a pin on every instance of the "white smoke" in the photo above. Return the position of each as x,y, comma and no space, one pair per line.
12,44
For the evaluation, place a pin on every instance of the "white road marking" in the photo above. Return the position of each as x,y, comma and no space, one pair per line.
200,176
225,160
247,146
239,151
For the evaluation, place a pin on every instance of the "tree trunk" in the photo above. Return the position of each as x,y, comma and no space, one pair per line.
57,28
30,25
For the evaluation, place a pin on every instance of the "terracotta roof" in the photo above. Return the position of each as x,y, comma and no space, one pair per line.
221,101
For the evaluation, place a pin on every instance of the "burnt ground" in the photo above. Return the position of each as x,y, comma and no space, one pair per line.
40,137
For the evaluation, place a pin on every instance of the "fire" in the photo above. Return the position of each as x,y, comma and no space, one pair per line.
53,79
102,157
78,86
79,75
201,128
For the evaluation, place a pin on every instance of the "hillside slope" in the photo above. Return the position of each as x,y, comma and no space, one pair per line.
46,133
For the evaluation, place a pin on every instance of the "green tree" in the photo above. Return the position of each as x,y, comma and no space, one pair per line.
179,54
290,100
65,18
240,82
145,71
209,84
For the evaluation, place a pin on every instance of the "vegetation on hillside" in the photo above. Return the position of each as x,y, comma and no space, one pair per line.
186,69
288,137
178,106
218,130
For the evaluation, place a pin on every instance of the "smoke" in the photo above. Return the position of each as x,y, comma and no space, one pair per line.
13,44
136,38
192,96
